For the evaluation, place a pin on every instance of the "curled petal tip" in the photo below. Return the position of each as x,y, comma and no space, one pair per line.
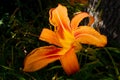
79,17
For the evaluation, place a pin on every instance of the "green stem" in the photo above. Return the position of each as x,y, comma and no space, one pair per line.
12,55
113,62
97,5
40,5
28,33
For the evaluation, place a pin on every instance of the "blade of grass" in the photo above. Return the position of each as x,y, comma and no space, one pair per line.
113,62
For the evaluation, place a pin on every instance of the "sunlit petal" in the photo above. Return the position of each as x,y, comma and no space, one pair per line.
88,35
40,57
49,36
59,19
69,62
79,17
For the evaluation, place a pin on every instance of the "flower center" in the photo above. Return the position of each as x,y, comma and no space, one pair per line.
77,46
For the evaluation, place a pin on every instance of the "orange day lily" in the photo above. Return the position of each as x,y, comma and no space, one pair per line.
65,39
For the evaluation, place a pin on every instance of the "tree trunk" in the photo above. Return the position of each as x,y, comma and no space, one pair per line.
111,18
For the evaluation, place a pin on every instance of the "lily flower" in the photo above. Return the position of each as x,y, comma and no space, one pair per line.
65,40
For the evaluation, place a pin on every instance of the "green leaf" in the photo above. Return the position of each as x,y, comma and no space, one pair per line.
54,67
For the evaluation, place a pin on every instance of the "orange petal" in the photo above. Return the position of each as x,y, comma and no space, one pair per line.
59,18
88,35
69,62
50,37
79,17
40,57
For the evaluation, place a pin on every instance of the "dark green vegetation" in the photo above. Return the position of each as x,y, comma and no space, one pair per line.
21,22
